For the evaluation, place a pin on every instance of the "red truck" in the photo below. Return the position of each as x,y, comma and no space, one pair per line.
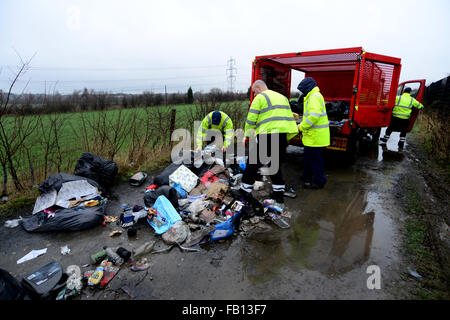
359,89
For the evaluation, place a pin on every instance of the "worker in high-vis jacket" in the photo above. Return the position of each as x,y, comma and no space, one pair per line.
271,122
216,120
401,113
315,131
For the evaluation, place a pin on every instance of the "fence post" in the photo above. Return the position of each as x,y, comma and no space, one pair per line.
172,125
32,174
5,180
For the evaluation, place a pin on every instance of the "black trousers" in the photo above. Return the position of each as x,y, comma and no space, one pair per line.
265,143
313,170
398,124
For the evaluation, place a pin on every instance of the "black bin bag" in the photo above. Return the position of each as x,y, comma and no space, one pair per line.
10,288
170,193
72,219
55,181
46,282
92,166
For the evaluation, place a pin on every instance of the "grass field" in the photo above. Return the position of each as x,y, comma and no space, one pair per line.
56,141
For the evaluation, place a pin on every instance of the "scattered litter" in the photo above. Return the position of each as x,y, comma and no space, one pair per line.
127,291
32,255
98,257
12,223
91,203
143,249
65,250
414,273
115,233
138,179
45,281
110,219
179,246
140,265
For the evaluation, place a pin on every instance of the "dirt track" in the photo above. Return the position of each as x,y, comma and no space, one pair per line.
335,234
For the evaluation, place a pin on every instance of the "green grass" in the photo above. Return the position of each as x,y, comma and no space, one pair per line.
72,145
419,251
15,204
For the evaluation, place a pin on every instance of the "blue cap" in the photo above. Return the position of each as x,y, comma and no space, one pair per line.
216,117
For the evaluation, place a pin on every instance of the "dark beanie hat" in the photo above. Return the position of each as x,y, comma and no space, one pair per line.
306,85
216,116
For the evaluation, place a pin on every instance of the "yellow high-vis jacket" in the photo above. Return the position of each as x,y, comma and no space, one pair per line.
403,106
270,112
225,126
315,126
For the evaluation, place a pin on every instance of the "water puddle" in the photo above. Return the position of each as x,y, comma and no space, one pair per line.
333,230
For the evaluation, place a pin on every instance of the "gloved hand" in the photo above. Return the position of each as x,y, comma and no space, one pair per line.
245,141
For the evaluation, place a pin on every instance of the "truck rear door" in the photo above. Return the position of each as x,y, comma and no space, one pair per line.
417,92
378,80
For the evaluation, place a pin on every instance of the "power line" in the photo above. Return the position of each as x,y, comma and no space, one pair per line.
110,80
114,69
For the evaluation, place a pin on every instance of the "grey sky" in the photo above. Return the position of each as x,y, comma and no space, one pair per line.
133,46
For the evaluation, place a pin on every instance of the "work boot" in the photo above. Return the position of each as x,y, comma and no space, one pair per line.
290,193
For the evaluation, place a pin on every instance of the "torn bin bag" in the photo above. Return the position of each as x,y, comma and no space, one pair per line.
167,191
73,219
55,182
96,168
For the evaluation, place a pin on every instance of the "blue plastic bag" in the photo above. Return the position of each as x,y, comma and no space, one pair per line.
242,164
180,190
166,217
226,229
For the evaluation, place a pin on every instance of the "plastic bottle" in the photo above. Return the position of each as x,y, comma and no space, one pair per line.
115,258
95,278
278,220
145,248
271,205
99,256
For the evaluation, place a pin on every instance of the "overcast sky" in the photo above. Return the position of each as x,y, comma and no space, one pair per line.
133,46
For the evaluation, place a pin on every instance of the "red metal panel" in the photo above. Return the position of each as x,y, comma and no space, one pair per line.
334,85
313,53
376,93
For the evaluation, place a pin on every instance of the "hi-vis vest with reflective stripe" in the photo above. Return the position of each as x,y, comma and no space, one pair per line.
225,126
270,112
315,126
404,105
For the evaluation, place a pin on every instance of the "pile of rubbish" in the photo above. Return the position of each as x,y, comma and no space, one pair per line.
73,201
187,204
198,202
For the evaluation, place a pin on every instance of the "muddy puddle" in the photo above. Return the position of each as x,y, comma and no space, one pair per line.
337,229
